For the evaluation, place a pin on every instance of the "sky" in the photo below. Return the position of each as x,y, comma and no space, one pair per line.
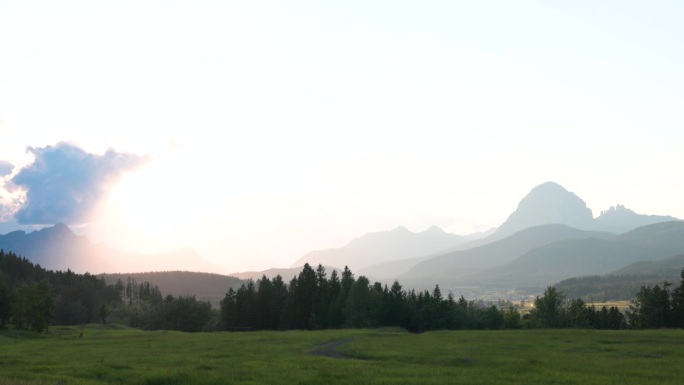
254,132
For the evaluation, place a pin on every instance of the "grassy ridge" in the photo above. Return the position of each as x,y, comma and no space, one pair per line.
110,355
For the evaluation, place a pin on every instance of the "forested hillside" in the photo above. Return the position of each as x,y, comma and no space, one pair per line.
624,283
205,286
32,297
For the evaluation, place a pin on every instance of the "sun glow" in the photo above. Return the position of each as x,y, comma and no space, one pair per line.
154,206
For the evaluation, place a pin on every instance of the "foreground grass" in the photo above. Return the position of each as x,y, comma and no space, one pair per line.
111,355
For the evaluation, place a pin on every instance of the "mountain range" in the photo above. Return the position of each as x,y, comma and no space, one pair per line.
451,268
551,203
383,246
575,257
548,213
552,235
58,248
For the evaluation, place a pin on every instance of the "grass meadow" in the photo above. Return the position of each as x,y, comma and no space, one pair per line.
109,354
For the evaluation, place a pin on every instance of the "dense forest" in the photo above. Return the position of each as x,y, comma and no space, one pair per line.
313,301
34,298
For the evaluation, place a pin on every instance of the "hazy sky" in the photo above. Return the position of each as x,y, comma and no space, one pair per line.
257,131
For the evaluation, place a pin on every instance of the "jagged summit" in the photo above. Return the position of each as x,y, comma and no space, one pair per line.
619,219
546,204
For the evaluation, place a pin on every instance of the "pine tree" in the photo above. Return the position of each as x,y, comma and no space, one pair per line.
548,310
652,308
321,300
305,296
396,306
335,305
5,301
358,304
678,304
265,303
229,310
279,298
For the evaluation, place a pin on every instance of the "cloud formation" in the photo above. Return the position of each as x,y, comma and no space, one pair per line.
6,207
5,168
64,183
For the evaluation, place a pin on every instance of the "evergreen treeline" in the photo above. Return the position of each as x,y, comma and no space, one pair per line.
34,298
658,307
152,312
552,310
313,301
610,287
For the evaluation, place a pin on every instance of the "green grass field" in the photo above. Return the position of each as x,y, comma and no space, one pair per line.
117,355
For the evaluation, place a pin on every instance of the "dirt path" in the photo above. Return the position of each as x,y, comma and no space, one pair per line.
330,350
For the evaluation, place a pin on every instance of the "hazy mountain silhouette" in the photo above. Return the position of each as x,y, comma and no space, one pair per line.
552,203
58,248
619,219
668,267
588,256
390,270
451,268
377,247
54,248
545,204
548,203
550,236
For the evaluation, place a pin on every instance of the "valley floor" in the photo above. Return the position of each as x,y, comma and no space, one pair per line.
107,354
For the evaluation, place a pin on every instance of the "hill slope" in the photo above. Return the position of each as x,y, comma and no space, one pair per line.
624,283
577,257
450,268
665,267
205,286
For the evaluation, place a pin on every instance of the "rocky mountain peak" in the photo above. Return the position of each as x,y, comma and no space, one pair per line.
546,204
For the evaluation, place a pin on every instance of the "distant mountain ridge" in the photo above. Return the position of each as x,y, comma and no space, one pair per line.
668,267
587,256
565,241
54,248
58,248
555,213
378,247
619,219
452,268
552,203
